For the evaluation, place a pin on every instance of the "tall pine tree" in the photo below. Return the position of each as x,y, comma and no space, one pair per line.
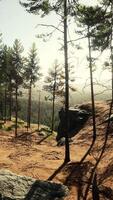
17,74
32,74
51,86
63,8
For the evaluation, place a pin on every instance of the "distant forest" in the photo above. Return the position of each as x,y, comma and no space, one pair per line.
45,110
46,107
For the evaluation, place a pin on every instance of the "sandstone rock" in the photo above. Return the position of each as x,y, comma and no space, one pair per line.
76,120
15,187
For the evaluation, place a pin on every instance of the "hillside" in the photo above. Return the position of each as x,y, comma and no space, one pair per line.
27,155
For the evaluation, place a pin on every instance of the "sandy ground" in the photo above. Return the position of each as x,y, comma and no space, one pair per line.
25,156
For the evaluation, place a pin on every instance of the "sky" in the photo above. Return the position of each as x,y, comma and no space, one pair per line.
15,22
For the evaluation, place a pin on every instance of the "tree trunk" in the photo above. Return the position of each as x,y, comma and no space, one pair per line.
1,109
95,189
5,104
91,82
54,95
39,112
10,101
67,149
16,110
53,107
29,108
111,49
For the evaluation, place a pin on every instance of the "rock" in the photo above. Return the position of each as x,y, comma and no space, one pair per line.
61,142
15,187
77,118
42,133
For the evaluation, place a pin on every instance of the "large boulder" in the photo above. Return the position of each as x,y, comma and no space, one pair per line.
77,118
15,187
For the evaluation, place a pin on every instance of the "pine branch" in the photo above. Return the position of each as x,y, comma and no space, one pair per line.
50,25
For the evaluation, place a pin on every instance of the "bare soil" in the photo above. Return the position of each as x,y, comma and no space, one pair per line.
25,155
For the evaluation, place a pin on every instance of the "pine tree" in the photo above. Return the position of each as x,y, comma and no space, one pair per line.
89,17
10,80
103,39
32,74
17,74
63,8
55,86
51,86
5,81
1,78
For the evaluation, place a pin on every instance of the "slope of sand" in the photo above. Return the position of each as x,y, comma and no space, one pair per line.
25,156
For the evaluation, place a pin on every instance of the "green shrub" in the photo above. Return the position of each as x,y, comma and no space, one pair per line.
9,128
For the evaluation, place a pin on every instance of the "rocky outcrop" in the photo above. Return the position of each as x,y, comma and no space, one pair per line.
76,120
15,187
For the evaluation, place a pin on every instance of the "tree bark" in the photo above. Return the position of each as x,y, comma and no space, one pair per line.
29,108
5,104
10,101
53,107
1,105
39,112
67,149
95,189
16,110
54,95
92,88
111,49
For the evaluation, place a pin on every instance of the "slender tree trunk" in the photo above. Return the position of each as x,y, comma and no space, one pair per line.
5,104
53,107
92,88
95,189
1,109
29,108
10,101
39,112
67,149
111,49
10,105
16,110
95,192
92,97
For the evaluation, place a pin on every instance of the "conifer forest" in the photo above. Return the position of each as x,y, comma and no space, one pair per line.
56,100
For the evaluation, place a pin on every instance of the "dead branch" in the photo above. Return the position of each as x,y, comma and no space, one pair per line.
51,26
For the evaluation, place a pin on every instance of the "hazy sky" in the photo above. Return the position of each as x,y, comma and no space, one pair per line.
15,22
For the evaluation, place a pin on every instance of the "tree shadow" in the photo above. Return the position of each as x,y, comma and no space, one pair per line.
106,192
107,173
88,151
100,191
78,177
91,180
58,170
25,134
44,138
24,137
